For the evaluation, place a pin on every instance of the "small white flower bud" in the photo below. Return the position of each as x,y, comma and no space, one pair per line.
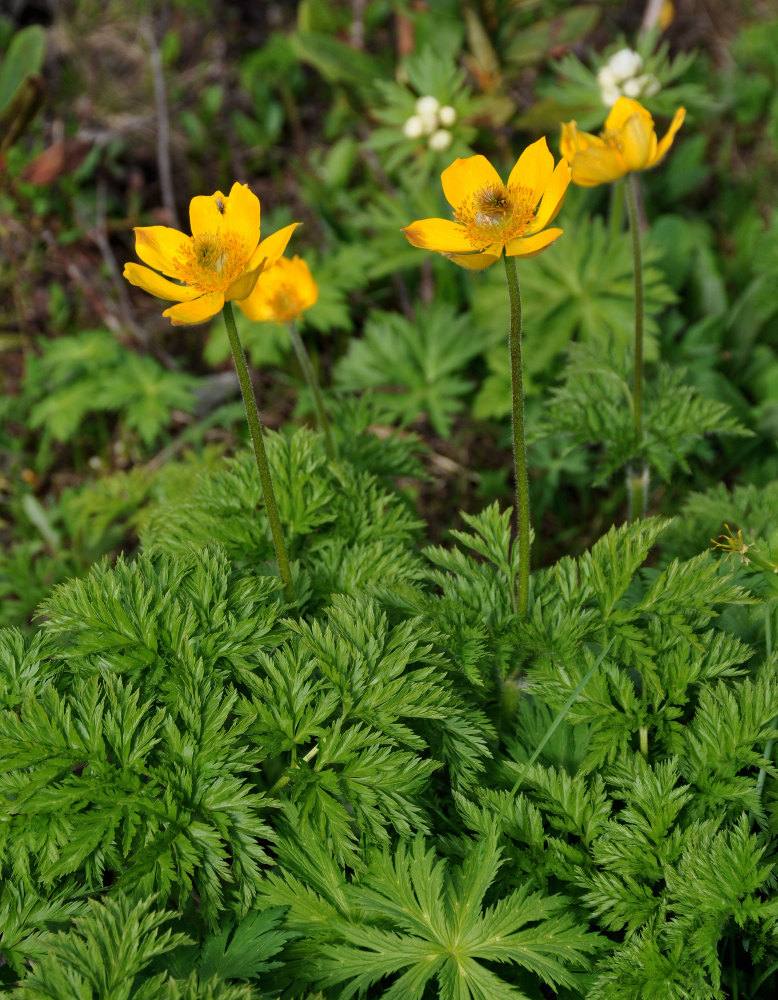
606,77
625,63
414,127
609,95
427,107
632,88
440,140
651,85
428,124
447,115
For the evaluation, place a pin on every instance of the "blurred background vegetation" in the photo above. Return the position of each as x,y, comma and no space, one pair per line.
114,114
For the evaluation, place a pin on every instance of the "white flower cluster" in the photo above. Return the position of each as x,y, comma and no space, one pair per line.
623,76
433,120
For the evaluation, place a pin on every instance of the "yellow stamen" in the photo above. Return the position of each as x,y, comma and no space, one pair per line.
496,214
212,261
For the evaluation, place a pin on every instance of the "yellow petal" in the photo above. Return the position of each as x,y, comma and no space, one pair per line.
622,110
442,235
206,213
272,248
155,284
529,246
241,216
307,288
158,246
197,311
533,169
467,176
667,140
552,199
473,261
573,141
638,142
243,286
282,293
598,166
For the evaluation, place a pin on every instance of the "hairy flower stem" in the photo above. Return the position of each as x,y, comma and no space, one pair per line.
257,439
637,479
304,360
520,600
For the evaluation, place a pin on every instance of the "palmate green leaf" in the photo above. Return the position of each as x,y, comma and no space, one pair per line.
422,920
92,372
418,364
244,951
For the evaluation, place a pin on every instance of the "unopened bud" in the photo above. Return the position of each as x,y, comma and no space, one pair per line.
626,63
414,127
440,140
427,106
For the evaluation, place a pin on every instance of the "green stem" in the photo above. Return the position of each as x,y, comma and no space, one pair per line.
519,601
286,778
257,439
637,480
309,375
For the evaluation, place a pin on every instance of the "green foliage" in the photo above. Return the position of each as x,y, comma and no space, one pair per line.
293,791
344,530
104,955
397,786
418,364
23,58
581,289
422,921
94,373
594,404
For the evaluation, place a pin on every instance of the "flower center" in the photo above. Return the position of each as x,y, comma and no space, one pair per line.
496,214
285,303
212,261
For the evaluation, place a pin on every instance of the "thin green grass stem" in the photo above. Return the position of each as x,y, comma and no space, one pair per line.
257,439
520,600
637,479
309,374
552,729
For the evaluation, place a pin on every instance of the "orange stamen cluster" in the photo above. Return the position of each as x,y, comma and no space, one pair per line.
285,302
496,215
210,262
612,138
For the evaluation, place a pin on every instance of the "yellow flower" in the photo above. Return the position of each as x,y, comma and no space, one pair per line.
282,293
219,262
492,216
628,143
